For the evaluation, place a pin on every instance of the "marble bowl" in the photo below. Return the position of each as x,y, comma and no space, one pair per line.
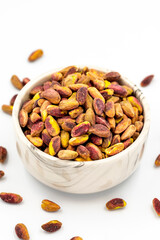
79,177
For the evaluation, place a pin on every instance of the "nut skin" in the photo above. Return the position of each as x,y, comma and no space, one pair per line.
28,106
114,99
118,120
135,103
118,110
84,79
54,145
44,106
128,142
80,118
138,125
107,141
99,84
39,102
95,153
118,90
63,91
107,93
76,112
11,197
13,99
22,231
157,161
16,82
98,106
25,81
55,111
52,126
127,108
128,133
100,130
57,76
88,102
112,122
69,70
122,126
7,109
112,76
35,55
129,90
80,129
36,141
82,95
135,135
95,93
83,152
51,95
90,116
147,80
73,96
37,128
116,139
23,117
68,104
46,137
29,124
64,138
46,150
110,109
36,89
71,79
35,117
71,148
1,174
67,154
114,149
103,121
96,140
27,132
97,80
135,118
64,119
77,86
76,238
75,141
49,206
115,203
3,154
98,73
68,125
141,118
47,85
156,205
51,226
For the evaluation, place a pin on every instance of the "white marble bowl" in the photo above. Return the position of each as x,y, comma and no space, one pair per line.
79,177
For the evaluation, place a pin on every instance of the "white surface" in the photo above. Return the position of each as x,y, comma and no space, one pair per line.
118,35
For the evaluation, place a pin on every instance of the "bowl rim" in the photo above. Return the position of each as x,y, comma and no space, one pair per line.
51,159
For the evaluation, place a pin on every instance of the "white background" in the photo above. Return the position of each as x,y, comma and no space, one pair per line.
118,35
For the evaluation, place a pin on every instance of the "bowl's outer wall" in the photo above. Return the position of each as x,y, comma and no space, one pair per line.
79,177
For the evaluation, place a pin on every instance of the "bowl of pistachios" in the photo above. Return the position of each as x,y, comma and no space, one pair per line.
81,129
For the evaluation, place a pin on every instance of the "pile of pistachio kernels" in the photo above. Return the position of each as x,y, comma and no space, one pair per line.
82,115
